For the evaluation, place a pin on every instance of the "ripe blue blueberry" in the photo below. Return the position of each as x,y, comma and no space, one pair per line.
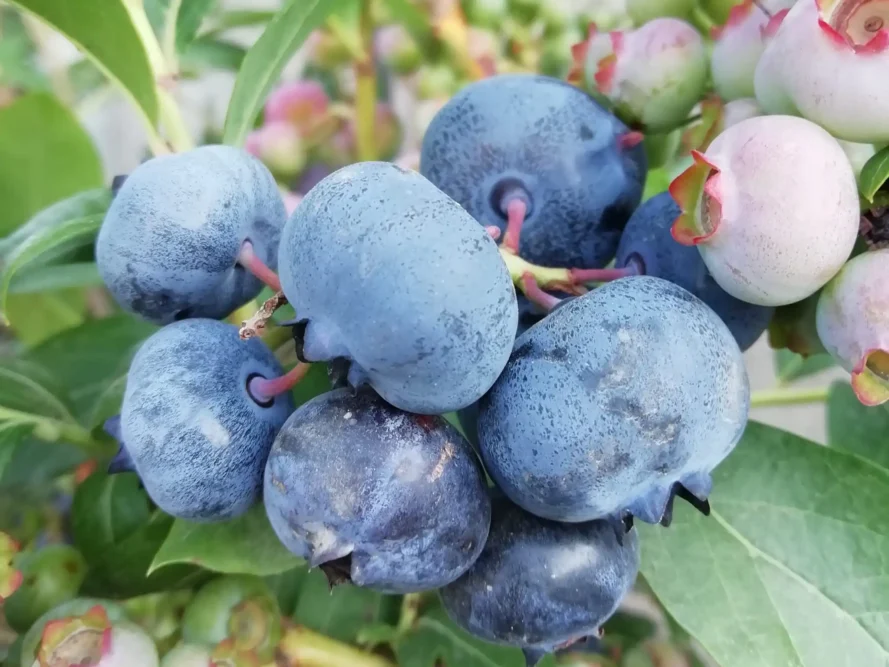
394,501
614,403
185,233
199,415
549,144
387,272
542,585
648,248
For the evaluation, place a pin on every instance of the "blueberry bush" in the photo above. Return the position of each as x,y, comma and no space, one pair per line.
432,353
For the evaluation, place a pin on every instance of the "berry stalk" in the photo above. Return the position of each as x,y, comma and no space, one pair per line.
306,648
366,90
248,258
789,396
264,390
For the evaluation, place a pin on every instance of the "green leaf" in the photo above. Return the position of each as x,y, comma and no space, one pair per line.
791,366
206,52
37,317
80,205
34,464
855,427
26,386
190,16
105,511
238,19
435,641
55,277
123,571
45,156
268,56
91,359
18,62
49,242
789,569
11,436
874,174
244,545
104,32
343,612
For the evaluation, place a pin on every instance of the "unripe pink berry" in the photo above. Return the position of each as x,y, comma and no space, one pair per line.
90,640
280,147
853,323
653,75
829,62
773,208
302,103
737,110
738,46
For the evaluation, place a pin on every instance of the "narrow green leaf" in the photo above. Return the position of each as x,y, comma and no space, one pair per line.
26,386
874,174
789,569
268,56
80,205
206,52
90,359
36,318
188,22
65,236
55,277
245,545
45,156
343,612
244,18
857,428
103,31
791,366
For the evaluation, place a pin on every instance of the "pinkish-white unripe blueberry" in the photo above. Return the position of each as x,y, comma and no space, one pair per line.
90,640
280,147
738,46
853,323
737,110
303,104
653,75
828,61
772,205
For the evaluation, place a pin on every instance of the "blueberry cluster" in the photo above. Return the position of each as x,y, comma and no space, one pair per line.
586,412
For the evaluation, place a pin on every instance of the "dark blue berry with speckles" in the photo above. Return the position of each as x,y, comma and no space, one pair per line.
198,441
388,272
401,495
647,243
539,584
554,141
168,246
611,400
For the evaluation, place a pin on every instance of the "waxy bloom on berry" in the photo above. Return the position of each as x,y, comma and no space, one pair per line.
772,206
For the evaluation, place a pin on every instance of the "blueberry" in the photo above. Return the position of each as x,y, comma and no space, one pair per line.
542,585
394,501
549,143
387,272
647,247
192,429
615,402
180,230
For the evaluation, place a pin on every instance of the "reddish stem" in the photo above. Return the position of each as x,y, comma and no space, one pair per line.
536,295
601,275
516,210
493,231
251,261
264,390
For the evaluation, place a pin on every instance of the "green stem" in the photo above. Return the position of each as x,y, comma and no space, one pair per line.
174,125
153,50
702,20
306,648
788,396
169,45
53,430
410,611
366,90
